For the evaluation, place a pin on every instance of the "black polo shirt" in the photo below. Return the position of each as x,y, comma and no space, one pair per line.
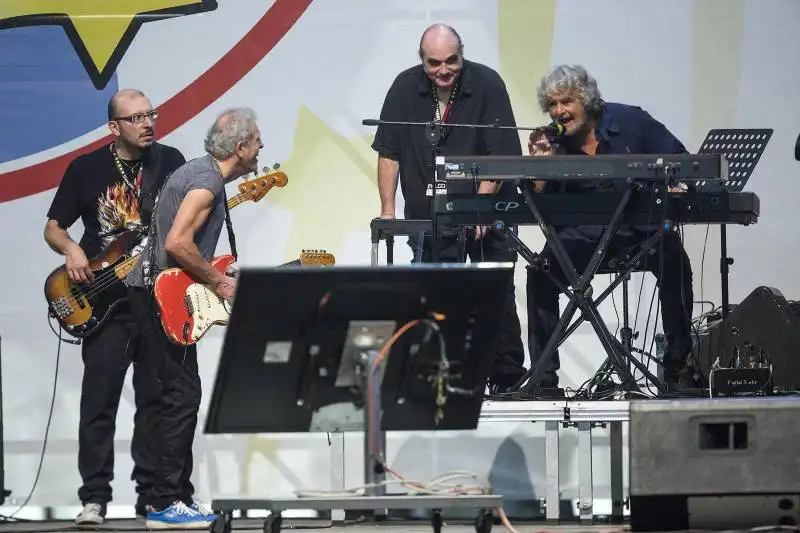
482,98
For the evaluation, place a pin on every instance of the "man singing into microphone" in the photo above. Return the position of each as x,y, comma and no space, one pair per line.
592,127
448,88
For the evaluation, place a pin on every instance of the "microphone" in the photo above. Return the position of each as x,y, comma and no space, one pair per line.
370,122
555,129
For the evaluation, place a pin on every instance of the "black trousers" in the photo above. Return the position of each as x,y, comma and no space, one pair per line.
175,420
510,353
674,284
107,354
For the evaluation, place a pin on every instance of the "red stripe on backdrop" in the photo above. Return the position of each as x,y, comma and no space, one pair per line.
182,107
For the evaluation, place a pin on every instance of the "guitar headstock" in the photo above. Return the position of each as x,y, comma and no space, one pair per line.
256,188
316,258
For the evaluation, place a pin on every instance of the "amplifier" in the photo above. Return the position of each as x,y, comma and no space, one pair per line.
762,328
710,464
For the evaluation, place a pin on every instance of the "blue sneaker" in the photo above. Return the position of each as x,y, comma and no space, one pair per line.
177,516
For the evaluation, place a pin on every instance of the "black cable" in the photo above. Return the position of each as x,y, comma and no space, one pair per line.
641,285
688,312
659,280
46,430
703,261
476,188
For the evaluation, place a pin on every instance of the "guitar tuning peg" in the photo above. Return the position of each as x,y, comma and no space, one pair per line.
276,166
265,170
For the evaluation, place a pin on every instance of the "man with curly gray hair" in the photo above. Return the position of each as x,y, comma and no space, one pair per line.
570,95
187,222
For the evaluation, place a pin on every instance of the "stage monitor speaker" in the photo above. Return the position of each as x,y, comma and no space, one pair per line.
714,464
762,324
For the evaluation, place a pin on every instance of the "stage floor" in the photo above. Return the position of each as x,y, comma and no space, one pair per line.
312,525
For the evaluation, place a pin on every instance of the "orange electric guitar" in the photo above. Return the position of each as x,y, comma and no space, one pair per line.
189,308
82,308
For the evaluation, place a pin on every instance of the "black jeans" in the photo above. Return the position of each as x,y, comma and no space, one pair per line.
106,355
509,359
176,419
674,283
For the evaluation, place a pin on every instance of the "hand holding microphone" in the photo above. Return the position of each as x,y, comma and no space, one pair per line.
540,140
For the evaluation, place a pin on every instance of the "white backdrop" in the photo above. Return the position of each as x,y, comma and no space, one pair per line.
694,65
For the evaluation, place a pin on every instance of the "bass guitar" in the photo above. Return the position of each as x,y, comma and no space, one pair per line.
81,308
189,308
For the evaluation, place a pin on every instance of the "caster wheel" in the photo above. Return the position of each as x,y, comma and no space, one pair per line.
436,520
483,522
222,523
272,523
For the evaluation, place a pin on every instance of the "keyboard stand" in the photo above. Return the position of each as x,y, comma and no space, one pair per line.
579,289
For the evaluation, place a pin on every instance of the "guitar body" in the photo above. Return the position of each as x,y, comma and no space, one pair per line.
82,308
188,307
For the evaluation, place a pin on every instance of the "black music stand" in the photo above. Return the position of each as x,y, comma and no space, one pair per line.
742,149
311,366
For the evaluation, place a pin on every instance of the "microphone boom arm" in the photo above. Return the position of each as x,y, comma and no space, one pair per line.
437,123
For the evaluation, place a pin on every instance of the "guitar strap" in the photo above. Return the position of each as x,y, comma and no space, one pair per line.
151,184
229,225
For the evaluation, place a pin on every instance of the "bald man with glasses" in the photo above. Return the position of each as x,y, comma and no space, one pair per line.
112,190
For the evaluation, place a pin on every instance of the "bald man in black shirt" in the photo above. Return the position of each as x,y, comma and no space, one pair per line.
449,88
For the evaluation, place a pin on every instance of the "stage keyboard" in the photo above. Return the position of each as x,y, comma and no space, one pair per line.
694,167
597,209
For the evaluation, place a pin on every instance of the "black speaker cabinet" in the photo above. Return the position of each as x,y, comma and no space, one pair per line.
762,323
714,464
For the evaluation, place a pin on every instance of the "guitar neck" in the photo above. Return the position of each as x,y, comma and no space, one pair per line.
124,268
237,200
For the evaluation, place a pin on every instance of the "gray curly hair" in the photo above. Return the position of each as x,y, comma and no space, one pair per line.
233,126
571,77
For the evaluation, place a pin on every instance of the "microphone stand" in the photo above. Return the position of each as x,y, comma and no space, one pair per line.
433,132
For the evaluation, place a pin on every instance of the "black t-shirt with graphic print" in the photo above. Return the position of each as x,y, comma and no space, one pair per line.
94,190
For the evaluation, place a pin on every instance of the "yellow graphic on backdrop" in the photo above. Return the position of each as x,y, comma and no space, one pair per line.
100,30
341,172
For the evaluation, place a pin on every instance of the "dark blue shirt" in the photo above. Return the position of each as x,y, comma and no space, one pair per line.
624,129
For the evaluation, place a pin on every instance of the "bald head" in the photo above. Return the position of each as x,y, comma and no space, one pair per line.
120,98
440,37
132,119
441,52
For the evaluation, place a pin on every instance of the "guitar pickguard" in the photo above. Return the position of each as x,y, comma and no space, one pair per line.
205,308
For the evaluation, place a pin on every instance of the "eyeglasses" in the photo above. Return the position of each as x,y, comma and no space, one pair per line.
138,118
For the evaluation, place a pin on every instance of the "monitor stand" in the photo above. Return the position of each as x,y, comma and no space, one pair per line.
360,355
